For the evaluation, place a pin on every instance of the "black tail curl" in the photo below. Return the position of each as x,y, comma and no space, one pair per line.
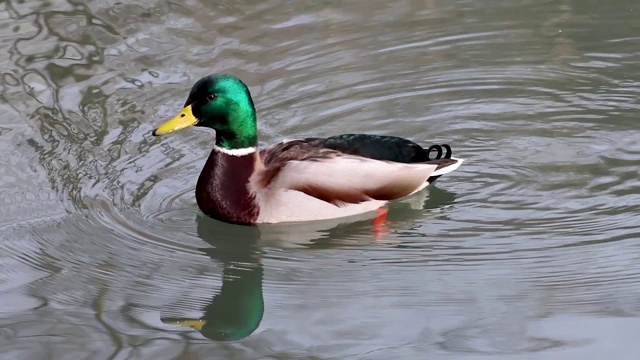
438,148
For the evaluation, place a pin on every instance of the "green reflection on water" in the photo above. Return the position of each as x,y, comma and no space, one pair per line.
236,311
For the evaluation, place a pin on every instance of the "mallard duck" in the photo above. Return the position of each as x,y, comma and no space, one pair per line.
296,180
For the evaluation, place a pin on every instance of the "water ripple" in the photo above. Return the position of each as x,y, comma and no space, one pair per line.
100,232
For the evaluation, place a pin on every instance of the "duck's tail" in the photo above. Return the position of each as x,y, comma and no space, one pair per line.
446,163
445,166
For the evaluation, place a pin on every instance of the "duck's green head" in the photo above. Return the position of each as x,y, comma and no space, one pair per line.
221,102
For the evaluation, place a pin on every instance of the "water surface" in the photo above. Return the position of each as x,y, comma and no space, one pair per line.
528,251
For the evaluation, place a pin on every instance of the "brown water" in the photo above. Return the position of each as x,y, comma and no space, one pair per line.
529,251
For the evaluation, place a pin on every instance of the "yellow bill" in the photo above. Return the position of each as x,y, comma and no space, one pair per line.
183,120
192,323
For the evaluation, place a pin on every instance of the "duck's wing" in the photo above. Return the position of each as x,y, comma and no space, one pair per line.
379,147
339,177
383,147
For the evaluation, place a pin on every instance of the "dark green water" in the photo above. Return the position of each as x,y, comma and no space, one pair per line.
529,251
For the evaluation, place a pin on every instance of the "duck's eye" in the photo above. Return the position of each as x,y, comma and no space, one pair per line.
211,97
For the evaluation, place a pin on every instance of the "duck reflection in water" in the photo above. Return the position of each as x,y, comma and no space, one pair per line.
236,311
